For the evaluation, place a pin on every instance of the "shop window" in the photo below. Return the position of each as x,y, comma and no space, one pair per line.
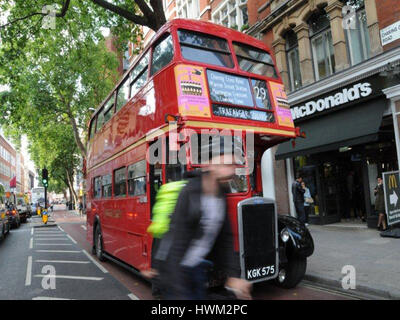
120,182
293,60
137,178
106,186
163,53
357,34
321,44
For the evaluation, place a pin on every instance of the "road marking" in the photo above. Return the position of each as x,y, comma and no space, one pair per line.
72,239
50,298
61,228
133,297
28,278
32,231
55,251
84,227
53,244
53,239
31,244
95,262
67,277
62,261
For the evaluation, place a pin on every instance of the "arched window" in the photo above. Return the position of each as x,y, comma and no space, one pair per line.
292,54
321,44
356,31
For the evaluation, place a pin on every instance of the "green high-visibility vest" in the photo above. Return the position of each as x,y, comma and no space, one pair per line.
165,204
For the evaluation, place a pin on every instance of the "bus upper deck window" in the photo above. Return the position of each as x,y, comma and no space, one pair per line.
138,75
92,128
163,53
100,120
205,48
254,60
109,109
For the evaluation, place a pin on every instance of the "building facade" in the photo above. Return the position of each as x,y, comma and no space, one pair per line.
7,163
340,63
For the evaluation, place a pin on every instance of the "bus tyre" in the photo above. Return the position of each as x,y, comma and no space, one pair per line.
98,240
292,273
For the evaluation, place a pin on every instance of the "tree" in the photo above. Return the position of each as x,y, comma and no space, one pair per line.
53,147
152,13
54,76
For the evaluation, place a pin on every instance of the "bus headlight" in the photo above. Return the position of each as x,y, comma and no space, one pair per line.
285,235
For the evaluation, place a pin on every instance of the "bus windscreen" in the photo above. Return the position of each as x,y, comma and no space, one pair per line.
205,48
254,60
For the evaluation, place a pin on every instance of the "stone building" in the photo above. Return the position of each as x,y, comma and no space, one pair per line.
340,63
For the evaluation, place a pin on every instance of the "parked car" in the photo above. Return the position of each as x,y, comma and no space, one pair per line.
13,215
22,208
4,224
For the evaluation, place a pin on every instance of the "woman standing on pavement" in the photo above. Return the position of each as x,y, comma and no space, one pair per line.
380,204
308,201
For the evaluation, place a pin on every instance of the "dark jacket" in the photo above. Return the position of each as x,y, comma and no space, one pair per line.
380,199
297,192
185,227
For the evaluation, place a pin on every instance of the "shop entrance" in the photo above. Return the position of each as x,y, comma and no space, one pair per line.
342,182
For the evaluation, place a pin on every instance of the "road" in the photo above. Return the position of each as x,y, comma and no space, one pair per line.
55,262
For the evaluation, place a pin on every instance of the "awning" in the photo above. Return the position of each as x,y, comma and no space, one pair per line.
348,127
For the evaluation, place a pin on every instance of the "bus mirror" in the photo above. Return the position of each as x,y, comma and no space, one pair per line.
171,118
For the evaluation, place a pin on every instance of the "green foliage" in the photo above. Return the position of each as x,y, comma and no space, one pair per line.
54,76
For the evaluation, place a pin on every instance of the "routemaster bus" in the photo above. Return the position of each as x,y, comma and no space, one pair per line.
194,76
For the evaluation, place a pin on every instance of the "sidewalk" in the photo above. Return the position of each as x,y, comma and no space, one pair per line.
376,259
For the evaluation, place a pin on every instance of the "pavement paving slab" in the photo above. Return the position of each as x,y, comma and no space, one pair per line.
376,260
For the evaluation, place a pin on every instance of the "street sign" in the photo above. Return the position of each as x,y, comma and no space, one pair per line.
391,186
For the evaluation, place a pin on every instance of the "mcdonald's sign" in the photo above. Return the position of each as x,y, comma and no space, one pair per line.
391,184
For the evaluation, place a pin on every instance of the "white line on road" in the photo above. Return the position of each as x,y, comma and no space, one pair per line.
53,244
28,278
31,244
32,231
49,298
67,277
62,261
52,239
95,262
72,239
133,297
84,227
61,228
60,251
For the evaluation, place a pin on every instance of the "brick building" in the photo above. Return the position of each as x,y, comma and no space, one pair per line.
340,63
7,163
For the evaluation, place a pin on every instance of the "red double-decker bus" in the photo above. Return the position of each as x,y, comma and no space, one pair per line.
193,76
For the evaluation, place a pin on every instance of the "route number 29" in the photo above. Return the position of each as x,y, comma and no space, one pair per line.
261,93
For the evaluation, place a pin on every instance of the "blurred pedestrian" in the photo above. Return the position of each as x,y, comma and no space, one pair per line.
380,204
200,235
308,201
298,198
80,207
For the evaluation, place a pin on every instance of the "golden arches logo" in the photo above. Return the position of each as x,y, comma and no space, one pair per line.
392,181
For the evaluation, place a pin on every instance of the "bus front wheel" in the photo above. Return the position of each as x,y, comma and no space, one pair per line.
292,273
99,244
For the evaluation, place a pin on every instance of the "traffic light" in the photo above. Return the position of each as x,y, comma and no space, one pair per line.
45,177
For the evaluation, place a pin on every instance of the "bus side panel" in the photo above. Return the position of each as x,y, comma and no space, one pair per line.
89,210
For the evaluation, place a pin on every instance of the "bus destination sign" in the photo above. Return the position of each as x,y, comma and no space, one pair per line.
242,113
